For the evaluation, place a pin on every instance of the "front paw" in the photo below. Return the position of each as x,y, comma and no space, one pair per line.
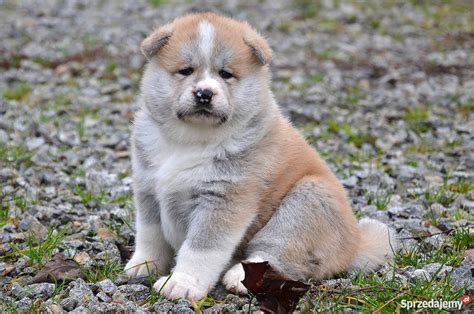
180,285
232,279
142,265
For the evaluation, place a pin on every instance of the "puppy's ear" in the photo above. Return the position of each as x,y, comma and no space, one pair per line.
259,46
152,44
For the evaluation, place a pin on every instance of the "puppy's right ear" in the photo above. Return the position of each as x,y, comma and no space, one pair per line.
153,43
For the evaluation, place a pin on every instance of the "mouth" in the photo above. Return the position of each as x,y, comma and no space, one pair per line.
203,112
202,115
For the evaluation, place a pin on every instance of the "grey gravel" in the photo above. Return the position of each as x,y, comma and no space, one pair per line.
81,292
383,92
464,274
69,303
107,286
38,290
133,292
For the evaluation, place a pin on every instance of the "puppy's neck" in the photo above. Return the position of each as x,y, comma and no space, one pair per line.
234,133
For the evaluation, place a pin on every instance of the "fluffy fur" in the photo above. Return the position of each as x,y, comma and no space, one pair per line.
234,181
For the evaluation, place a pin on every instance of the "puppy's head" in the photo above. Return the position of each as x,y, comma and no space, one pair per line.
205,71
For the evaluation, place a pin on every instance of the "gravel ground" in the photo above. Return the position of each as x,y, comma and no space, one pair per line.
384,91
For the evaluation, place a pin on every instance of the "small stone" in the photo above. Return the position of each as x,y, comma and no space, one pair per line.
41,158
249,308
69,304
106,234
350,182
421,274
218,308
103,297
107,286
80,310
49,307
135,293
34,143
437,210
23,305
30,223
464,274
163,306
338,283
5,269
438,270
183,307
81,292
83,258
131,307
38,290
234,299
98,181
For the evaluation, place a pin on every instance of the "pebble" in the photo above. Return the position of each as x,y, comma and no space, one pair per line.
81,292
133,292
107,286
380,122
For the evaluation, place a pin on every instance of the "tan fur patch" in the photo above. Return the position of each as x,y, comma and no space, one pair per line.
248,47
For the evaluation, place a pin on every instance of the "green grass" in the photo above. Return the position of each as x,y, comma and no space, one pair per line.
379,199
417,119
105,270
87,197
40,251
462,186
4,212
285,26
9,307
440,195
19,92
450,253
383,292
308,8
204,303
316,78
467,107
15,155
355,137
13,200
425,147
157,3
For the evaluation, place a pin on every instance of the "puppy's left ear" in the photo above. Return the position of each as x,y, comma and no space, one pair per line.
259,46
153,43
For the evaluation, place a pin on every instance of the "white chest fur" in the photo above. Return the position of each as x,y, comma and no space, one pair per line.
173,171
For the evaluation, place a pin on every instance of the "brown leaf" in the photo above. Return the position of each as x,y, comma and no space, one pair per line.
59,268
275,293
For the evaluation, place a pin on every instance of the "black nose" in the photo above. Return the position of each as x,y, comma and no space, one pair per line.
203,96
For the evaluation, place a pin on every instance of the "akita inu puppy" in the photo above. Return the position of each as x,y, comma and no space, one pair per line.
220,176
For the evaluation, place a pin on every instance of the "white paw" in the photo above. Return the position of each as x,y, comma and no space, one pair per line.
142,265
232,279
180,285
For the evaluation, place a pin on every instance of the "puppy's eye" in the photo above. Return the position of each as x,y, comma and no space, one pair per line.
225,75
186,71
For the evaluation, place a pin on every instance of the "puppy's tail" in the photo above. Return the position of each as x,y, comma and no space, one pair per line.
377,245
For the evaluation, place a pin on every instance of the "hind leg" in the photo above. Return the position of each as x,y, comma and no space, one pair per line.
312,234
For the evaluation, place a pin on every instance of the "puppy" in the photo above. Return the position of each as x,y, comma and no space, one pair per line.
220,176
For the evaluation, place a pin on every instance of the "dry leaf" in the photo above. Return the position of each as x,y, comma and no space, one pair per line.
59,268
275,293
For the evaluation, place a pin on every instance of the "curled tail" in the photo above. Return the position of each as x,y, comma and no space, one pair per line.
377,245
